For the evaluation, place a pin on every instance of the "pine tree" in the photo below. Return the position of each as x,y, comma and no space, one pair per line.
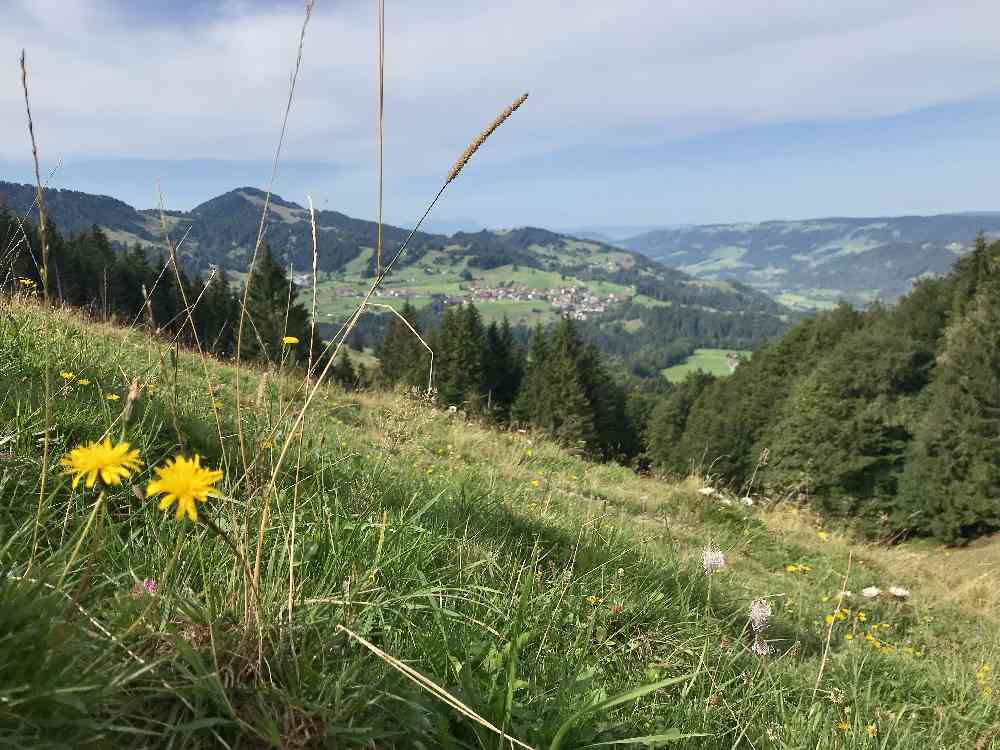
402,358
502,368
273,314
216,316
532,393
343,371
458,356
951,485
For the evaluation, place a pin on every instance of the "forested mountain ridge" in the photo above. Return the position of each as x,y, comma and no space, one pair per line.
818,262
646,314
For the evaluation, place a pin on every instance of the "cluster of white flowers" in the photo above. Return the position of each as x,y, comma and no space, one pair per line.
897,592
712,559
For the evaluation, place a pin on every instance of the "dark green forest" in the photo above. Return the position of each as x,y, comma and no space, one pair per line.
887,418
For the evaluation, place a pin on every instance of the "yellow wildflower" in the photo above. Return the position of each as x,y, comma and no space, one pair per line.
843,726
534,482
872,730
83,381
290,340
791,568
824,535
862,617
183,480
592,600
849,637
111,397
67,375
111,463
828,619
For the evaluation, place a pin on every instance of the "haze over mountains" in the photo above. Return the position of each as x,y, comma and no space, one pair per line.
816,262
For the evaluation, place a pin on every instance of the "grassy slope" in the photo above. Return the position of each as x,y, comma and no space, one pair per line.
443,543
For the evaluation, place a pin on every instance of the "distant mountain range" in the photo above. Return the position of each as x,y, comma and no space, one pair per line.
815,263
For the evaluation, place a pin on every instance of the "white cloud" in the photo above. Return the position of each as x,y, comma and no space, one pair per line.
624,72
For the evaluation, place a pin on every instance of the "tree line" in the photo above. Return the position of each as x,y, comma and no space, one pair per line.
889,417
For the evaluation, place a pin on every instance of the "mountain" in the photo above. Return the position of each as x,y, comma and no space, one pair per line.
815,263
633,307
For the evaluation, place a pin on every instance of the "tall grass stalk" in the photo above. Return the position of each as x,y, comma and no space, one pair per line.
43,239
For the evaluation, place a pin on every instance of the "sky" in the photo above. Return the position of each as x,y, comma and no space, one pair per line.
641,113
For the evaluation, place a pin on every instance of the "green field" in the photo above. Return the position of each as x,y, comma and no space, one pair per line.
712,361
444,278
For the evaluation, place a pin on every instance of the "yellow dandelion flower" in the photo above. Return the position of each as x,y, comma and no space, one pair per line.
791,568
534,482
862,617
83,381
828,619
111,463
592,600
67,375
843,726
872,730
849,637
267,444
111,397
289,340
183,480
824,535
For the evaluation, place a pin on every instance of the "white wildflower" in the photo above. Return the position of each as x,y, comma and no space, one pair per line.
899,592
713,559
760,614
871,592
707,491
760,647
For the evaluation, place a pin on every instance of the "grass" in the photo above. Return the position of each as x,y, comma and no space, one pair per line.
529,584
712,361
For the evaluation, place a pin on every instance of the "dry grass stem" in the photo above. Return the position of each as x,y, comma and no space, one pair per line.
481,138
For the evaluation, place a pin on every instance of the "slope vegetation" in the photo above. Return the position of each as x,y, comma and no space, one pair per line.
396,540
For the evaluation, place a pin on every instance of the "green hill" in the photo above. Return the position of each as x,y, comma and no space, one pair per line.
400,551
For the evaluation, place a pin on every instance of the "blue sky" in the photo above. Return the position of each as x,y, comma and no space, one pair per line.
641,113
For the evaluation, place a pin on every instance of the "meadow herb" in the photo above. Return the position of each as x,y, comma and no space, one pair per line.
184,481
110,463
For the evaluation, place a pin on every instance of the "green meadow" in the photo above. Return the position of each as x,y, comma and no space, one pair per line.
713,361
385,573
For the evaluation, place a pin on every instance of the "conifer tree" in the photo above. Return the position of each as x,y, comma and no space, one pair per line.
402,358
274,312
502,368
951,485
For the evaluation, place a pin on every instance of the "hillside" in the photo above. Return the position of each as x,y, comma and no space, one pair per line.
817,262
400,544
530,275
